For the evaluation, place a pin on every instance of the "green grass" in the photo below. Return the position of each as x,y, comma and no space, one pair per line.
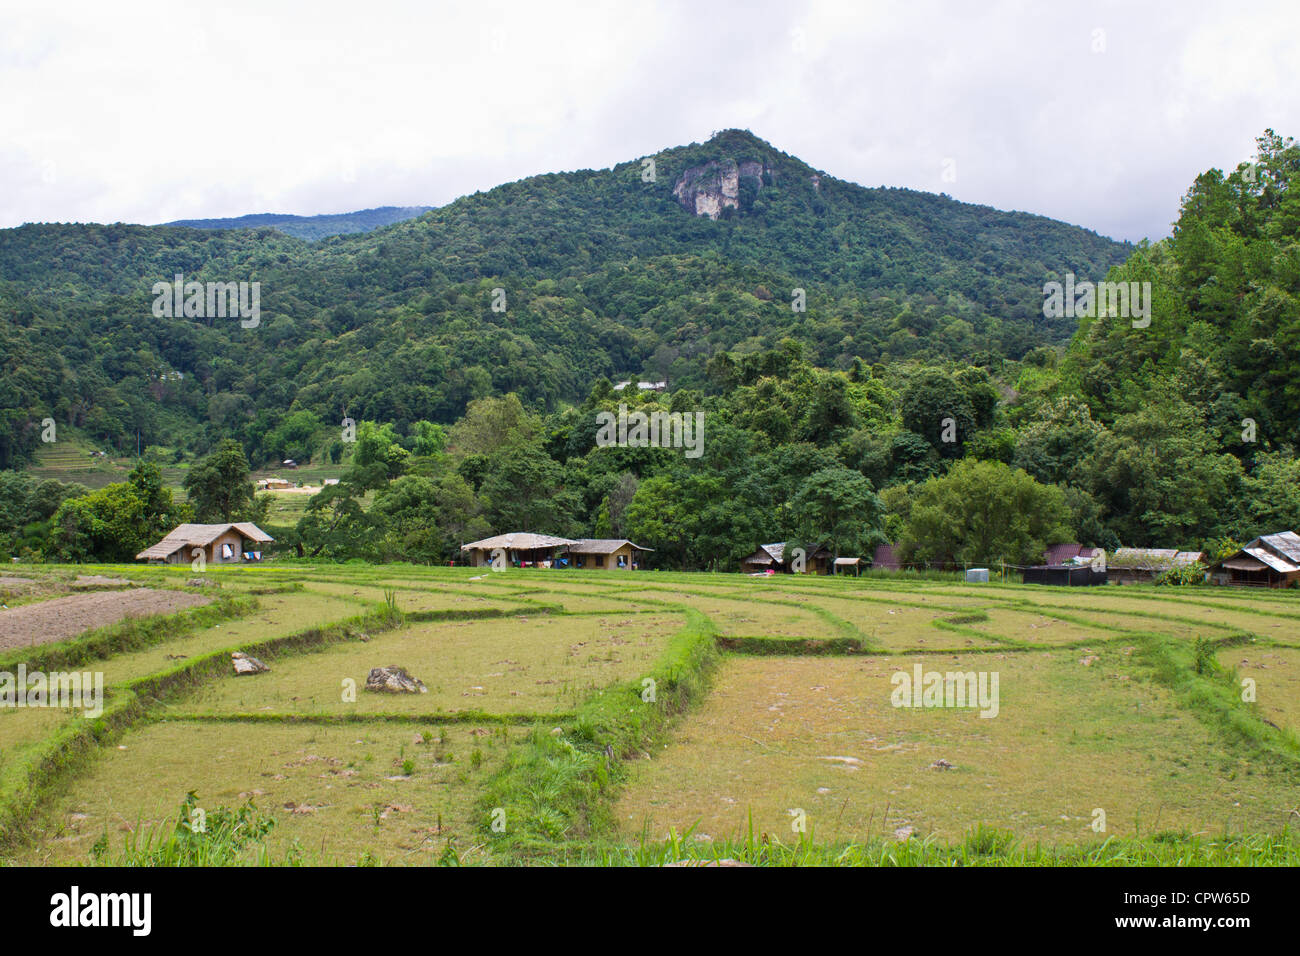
1125,699
982,846
821,735
399,794
503,665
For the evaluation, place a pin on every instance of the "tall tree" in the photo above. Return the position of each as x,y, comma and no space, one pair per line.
218,487
839,508
983,512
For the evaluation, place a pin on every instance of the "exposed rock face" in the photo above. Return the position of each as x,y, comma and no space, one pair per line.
394,680
247,665
707,190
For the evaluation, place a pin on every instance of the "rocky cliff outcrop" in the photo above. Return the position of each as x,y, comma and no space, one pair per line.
709,189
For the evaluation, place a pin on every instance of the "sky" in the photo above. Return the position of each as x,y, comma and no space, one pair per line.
1096,113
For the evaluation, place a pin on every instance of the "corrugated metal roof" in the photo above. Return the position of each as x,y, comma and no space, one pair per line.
1285,543
1274,561
602,546
1153,558
1061,553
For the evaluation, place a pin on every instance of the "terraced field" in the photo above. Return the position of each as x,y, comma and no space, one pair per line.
593,716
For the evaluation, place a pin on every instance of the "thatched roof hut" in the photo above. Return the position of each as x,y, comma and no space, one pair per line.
775,557
220,544
520,547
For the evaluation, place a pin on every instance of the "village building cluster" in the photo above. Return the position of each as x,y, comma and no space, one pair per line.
1271,560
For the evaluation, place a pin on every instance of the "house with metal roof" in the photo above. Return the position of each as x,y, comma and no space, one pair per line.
231,543
604,553
1270,561
1057,555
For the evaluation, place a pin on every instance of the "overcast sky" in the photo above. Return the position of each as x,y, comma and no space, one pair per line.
1096,113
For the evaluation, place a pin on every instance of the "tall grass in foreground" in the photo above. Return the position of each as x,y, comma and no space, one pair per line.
239,838
983,846
220,837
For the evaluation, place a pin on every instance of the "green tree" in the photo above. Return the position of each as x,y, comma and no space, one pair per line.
983,512
336,525
1161,478
492,424
524,491
218,487
839,508
378,454
938,409
407,511
1272,495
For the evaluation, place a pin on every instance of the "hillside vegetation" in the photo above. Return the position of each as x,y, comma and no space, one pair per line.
921,398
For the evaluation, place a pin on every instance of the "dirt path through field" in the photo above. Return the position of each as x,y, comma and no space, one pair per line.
65,617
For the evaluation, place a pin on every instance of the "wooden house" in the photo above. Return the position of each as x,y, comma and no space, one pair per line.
234,543
1057,555
1270,561
776,557
618,553
1144,565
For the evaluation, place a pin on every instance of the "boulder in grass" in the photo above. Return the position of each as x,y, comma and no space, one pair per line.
394,680
244,664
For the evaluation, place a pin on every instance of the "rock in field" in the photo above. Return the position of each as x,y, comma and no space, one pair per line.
247,665
394,680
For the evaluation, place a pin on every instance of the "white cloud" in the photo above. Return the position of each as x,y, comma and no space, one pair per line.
167,110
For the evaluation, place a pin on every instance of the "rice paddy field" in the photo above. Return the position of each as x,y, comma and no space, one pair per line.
606,717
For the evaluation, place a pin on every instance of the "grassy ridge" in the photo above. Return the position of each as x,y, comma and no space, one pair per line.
556,788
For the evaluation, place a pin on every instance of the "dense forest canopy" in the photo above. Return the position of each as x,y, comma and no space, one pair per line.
603,274
476,344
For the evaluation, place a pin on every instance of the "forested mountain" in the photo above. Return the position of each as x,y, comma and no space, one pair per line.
921,397
604,273
312,227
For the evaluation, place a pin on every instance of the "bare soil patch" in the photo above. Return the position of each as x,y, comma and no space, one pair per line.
65,617
92,581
